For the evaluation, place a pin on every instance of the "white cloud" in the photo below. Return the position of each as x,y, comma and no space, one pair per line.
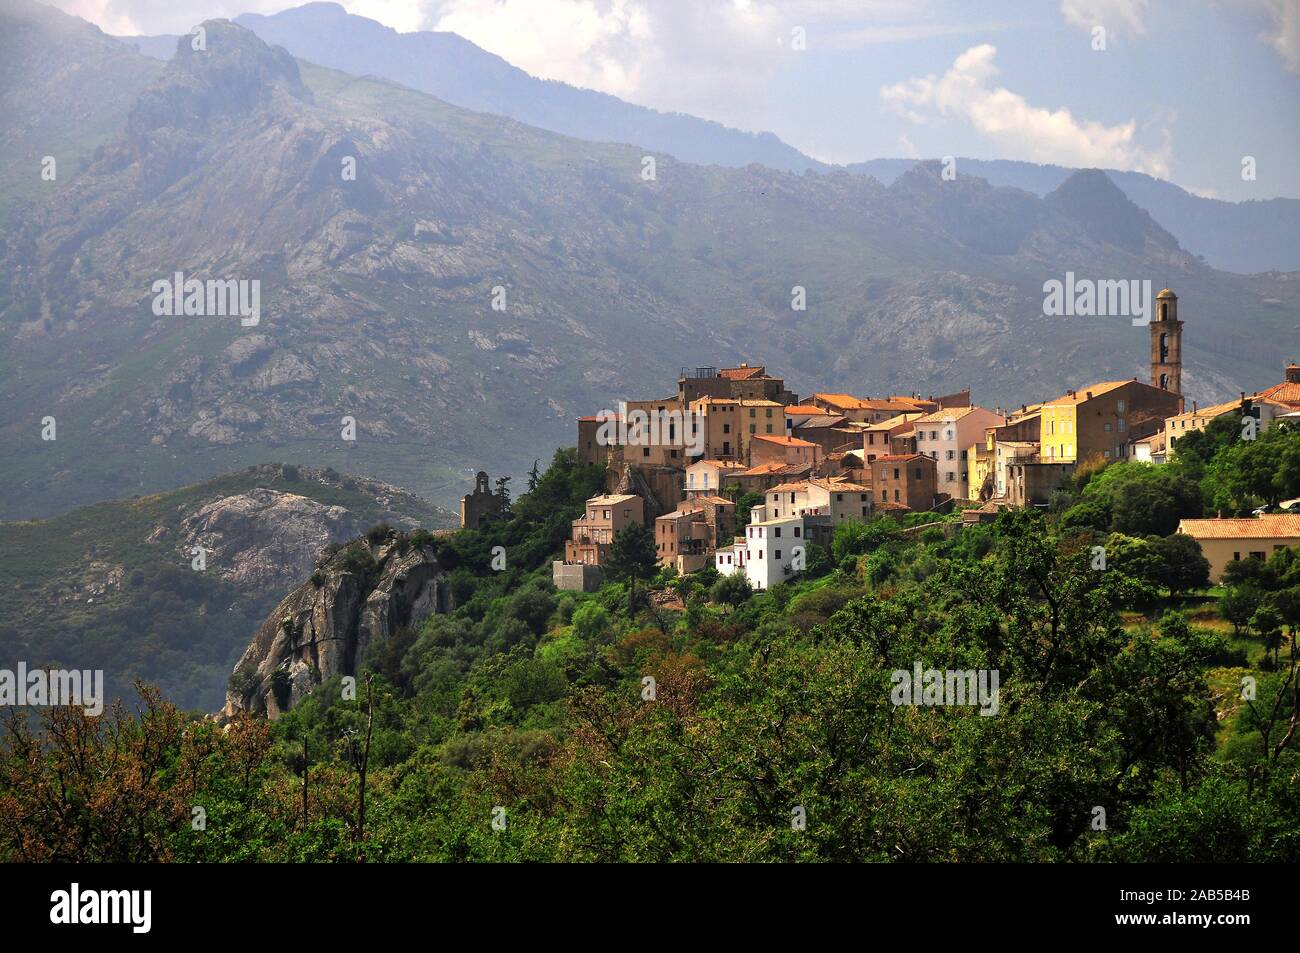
1020,130
1114,15
1284,33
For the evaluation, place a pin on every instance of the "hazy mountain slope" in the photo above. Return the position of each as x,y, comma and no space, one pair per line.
377,293
454,69
65,87
112,587
1244,237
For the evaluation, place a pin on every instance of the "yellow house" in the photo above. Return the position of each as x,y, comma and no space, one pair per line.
1103,419
1227,540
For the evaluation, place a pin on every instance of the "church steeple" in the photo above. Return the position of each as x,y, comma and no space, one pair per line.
1167,344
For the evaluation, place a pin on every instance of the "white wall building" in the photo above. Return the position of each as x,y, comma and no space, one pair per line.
946,436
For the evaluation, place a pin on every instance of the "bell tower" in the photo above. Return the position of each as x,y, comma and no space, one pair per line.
1167,344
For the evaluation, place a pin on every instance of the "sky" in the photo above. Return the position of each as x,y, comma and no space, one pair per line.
1205,93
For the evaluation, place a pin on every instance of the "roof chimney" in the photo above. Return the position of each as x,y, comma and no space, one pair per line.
1193,406
1293,373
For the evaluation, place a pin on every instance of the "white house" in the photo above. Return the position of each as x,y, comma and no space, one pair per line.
771,550
947,436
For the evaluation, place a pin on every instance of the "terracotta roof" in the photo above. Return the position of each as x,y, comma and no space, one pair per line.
1096,390
1268,526
1285,393
951,413
891,505
900,421
679,513
782,440
838,486
713,498
743,373
819,423
589,417
789,487
782,469
758,402
715,400
1216,410
845,401
897,457
721,464
806,410
612,499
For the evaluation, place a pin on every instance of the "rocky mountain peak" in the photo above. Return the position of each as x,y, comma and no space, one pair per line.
360,594
1106,213
220,69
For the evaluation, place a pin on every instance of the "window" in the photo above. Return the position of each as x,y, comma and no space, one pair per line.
950,477
884,495
645,451
920,435
753,429
776,531
769,411
839,497
769,428
726,428
776,554
1121,426
952,455
753,412
1106,427
627,514
895,496
947,435
934,435
895,473
796,532
1119,406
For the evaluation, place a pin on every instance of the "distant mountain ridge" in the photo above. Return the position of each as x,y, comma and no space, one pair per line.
377,291
1242,237
454,69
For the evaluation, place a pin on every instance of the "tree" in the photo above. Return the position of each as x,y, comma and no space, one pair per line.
503,491
1182,565
1239,604
632,553
533,477
731,590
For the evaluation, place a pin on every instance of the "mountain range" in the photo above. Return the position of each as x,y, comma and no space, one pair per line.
1235,236
479,283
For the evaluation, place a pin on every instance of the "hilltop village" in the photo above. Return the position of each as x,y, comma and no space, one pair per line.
737,435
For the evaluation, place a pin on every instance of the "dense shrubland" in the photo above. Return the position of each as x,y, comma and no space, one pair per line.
1120,689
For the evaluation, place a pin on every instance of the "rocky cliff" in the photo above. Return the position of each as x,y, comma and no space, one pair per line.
359,595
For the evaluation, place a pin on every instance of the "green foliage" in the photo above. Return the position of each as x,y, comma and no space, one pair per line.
537,702
632,554
1136,499
731,590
